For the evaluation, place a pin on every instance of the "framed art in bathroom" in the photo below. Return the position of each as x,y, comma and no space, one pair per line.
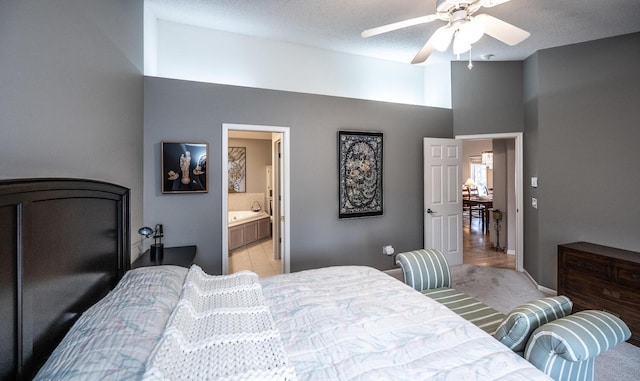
237,166
359,174
184,167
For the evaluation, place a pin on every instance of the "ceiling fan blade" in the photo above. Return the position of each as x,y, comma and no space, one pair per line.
398,25
502,31
492,3
425,52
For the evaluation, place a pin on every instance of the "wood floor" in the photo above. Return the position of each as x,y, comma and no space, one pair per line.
477,247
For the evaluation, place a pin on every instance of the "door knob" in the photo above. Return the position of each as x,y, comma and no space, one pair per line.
429,211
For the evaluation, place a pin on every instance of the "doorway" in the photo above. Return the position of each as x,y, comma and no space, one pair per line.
262,243
510,205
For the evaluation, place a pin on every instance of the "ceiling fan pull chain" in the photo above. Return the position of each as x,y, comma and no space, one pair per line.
470,66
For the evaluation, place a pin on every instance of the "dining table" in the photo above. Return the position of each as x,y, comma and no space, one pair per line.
486,202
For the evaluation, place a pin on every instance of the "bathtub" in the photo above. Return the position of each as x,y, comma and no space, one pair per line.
238,217
246,227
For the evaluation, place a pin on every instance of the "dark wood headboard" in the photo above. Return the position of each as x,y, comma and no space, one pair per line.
64,243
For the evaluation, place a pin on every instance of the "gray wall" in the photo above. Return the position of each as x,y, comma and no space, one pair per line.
582,104
530,164
578,108
71,91
180,110
488,98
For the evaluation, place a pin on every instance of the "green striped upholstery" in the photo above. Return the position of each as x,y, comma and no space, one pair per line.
565,349
524,319
467,307
424,269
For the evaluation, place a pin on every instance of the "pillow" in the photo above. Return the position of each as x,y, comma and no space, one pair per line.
582,335
113,339
517,326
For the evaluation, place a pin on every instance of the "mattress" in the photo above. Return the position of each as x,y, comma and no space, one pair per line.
336,323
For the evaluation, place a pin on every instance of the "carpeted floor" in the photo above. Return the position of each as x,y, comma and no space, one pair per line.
504,289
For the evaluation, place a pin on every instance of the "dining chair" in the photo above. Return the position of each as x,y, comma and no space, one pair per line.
475,210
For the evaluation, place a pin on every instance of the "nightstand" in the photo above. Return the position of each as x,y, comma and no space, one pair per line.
178,256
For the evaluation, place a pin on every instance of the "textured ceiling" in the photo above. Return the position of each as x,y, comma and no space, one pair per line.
336,24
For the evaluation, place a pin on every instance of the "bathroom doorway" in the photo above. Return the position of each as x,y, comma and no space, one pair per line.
255,172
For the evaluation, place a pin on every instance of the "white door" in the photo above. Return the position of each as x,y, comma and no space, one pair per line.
443,197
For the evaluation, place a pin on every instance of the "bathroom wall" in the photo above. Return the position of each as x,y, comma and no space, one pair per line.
258,158
244,201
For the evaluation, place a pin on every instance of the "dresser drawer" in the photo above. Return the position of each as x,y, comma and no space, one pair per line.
602,278
591,265
627,274
615,293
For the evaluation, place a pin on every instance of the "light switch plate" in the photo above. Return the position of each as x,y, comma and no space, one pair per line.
534,182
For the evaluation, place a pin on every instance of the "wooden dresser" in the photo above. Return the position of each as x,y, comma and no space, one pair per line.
602,278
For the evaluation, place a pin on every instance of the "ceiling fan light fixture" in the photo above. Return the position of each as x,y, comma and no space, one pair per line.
463,26
460,44
472,31
442,38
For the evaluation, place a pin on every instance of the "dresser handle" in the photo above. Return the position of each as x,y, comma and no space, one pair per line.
612,294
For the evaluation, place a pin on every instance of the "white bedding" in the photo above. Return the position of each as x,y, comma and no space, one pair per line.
221,329
357,323
338,323
113,339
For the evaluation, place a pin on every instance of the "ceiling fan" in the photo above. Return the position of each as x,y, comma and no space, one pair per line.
463,27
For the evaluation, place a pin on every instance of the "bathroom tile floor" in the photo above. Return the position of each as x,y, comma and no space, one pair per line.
256,257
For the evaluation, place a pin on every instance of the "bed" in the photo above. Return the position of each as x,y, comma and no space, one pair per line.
168,322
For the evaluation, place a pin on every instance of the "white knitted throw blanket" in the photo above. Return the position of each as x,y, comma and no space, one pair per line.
221,329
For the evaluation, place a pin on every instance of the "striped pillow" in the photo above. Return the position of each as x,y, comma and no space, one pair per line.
566,349
581,336
424,269
515,329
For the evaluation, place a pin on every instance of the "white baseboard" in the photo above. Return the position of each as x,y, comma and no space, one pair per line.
549,291
511,252
546,290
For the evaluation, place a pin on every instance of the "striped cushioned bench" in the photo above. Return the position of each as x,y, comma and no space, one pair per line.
469,308
561,345
428,272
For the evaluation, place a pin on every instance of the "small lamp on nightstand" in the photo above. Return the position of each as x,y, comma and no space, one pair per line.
157,248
